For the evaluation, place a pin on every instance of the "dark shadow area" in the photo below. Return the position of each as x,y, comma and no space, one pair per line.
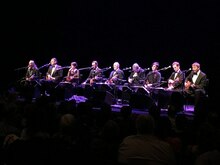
127,32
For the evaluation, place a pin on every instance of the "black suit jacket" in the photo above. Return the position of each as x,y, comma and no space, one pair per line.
95,74
201,81
178,80
57,74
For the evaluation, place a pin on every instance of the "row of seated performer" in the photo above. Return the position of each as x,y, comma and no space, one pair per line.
193,85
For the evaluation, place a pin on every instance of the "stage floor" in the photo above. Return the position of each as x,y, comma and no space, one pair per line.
188,109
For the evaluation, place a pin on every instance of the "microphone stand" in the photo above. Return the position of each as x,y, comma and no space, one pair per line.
18,73
21,68
184,79
164,68
105,69
183,83
65,67
127,68
43,66
86,68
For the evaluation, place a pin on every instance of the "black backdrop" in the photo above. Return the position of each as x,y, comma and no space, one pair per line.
108,31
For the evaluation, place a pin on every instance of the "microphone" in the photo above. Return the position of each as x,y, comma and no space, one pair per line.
127,68
47,64
145,69
187,70
167,67
107,68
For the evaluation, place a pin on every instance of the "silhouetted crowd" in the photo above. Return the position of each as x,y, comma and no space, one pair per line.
66,132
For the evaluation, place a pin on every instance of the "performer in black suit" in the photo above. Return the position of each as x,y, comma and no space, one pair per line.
196,84
55,72
137,76
153,77
53,76
116,76
175,81
95,74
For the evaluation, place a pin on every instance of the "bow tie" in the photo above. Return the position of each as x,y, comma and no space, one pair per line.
194,73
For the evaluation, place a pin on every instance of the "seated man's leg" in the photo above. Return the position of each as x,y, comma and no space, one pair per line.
199,96
44,88
201,107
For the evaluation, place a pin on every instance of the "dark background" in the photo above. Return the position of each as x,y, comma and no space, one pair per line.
108,31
